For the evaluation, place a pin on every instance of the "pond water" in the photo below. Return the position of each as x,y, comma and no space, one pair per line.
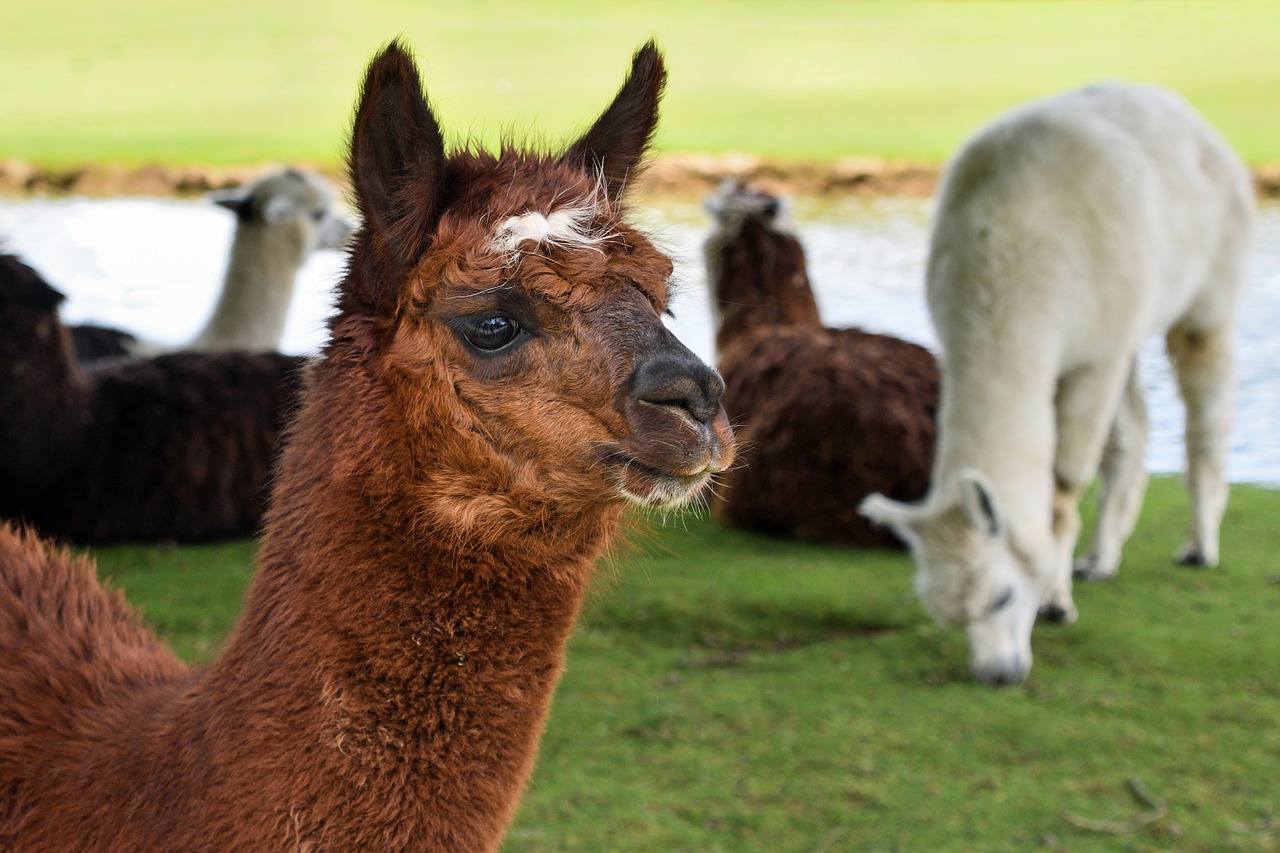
155,266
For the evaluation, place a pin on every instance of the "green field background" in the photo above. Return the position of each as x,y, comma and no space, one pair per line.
242,83
728,692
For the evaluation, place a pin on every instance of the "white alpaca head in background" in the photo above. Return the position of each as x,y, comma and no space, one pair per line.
973,571
289,198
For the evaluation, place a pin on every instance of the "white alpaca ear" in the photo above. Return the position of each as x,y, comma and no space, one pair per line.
232,199
979,502
901,518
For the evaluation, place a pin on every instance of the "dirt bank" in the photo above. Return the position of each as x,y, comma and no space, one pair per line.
670,174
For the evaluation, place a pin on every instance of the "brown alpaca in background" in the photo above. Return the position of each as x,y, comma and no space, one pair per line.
824,416
497,385
176,447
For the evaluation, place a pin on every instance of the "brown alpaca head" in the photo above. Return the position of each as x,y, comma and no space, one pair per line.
28,312
39,375
513,317
755,265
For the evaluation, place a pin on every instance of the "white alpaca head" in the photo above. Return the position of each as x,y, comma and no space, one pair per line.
290,199
972,571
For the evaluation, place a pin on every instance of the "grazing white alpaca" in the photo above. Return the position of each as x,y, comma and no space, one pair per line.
281,219
1066,233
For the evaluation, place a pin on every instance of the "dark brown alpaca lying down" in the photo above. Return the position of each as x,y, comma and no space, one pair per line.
825,416
176,447
497,386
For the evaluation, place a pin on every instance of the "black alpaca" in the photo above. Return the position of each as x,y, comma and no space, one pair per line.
177,447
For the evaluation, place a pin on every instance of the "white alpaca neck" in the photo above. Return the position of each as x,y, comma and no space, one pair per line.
1009,437
254,304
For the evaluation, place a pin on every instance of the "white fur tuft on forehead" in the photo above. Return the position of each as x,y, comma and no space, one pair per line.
569,227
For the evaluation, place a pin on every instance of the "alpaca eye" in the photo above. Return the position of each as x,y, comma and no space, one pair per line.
1002,602
491,333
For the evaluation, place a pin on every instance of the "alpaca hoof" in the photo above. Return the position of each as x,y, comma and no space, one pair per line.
1058,614
1193,556
1090,569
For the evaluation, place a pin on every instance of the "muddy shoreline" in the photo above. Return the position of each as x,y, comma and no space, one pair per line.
670,174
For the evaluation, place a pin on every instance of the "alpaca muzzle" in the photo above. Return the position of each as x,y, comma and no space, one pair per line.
680,432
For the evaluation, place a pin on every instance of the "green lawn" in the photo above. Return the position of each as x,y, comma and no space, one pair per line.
240,83
729,692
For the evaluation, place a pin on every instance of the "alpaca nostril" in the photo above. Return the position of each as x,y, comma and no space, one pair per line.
680,382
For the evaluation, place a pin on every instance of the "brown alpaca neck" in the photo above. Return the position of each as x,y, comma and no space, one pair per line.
760,281
421,653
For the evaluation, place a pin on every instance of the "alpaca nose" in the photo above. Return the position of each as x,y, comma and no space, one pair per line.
1002,673
679,381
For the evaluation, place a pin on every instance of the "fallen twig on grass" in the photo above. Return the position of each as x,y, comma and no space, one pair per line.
830,838
1264,825
1155,809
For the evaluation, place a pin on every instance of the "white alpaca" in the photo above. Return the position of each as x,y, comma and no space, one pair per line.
1066,233
281,219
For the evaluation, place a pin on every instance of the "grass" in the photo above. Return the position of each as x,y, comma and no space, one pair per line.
730,692
724,691
241,82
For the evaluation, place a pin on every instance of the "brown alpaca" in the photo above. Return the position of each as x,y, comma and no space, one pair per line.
824,416
175,447
497,385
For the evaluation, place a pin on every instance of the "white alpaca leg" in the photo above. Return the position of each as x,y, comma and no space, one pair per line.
1123,476
1084,407
1205,370
1057,604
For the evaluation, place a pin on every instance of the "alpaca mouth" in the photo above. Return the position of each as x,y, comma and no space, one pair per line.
652,487
671,455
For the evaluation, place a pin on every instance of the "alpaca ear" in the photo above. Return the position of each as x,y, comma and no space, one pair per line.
20,284
902,519
615,144
979,502
232,199
397,157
